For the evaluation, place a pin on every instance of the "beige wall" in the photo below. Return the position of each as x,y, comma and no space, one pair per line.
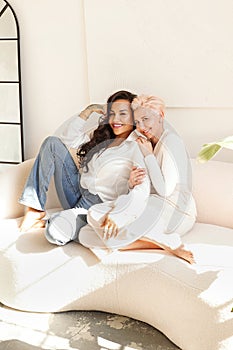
53,64
180,50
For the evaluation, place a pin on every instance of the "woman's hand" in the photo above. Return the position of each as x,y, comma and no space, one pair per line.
145,146
98,108
136,176
110,229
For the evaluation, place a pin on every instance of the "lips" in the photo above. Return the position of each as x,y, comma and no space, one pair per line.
146,132
115,125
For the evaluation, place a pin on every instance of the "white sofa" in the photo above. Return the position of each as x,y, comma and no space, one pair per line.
190,304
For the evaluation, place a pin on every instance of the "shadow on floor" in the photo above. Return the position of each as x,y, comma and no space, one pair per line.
95,330
15,344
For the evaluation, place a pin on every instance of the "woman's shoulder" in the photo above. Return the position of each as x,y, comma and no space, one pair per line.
171,137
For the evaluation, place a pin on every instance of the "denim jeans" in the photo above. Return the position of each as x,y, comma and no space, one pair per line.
55,160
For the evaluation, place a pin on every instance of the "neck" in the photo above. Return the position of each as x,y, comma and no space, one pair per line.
119,139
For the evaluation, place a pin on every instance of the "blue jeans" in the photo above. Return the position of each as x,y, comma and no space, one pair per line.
55,160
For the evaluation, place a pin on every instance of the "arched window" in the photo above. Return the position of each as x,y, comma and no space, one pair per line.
11,128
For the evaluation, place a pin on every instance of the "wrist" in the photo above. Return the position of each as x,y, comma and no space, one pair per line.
130,186
85,114
147,152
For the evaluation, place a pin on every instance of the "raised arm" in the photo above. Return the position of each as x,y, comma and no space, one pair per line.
73,132
173,168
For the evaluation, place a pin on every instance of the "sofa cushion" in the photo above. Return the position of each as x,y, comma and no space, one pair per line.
191,304
12,182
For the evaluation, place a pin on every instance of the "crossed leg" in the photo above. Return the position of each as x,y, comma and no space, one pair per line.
180,252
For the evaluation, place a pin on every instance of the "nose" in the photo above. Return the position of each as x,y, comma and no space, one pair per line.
116,117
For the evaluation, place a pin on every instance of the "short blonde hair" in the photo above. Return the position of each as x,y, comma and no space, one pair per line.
148,101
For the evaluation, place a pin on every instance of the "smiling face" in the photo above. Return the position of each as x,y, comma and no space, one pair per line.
148,122
121,118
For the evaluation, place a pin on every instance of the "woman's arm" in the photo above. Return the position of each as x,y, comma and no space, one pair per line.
172,169
97,108
152,167
155,173
73,132
173,166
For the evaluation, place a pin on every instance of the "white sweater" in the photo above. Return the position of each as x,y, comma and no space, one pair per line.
170,172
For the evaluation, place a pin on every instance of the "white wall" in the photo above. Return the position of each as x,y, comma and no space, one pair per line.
53,61
180,50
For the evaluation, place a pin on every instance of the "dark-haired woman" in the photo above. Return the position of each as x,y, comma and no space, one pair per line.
105,160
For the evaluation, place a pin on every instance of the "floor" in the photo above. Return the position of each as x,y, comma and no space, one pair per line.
80,330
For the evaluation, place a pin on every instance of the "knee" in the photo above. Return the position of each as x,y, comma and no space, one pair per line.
51,141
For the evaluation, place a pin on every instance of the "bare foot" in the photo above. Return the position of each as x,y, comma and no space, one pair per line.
31,219
40,224
183,253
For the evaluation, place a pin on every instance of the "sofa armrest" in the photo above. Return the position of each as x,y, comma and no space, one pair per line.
12,181
213,192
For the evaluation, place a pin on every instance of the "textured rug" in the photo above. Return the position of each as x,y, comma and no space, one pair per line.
80,330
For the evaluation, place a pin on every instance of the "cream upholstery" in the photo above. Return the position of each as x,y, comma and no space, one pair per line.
191,304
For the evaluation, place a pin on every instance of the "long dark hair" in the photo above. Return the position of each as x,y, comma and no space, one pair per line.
103,135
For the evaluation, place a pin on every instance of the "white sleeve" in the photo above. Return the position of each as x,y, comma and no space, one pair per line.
76,131
127,207
155,174
173,167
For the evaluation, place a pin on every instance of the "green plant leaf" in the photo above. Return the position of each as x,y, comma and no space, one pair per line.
209,150
227,142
